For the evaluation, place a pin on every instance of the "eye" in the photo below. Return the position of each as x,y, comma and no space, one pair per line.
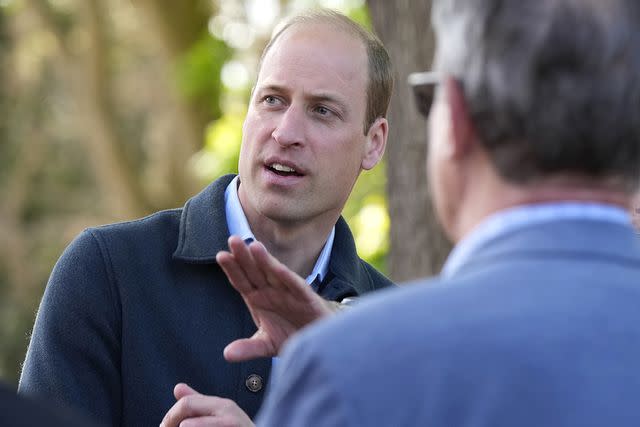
323,111
270,100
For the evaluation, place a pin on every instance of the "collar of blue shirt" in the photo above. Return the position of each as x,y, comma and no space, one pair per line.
239,226
509,220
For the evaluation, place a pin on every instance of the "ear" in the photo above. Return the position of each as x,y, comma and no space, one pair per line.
376,142
462,129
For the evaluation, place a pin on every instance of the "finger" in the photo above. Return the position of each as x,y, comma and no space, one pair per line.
247,263
210,421
194,405
277,274
217,421
302,299
181,390
234,272
248,349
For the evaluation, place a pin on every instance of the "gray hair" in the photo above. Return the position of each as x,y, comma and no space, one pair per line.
553,86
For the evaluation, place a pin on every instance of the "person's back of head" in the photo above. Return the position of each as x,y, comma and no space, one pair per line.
552,86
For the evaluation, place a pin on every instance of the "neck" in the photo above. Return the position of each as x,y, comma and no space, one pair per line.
295,245
489,198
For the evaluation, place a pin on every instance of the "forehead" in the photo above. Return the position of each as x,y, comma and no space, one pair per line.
318,56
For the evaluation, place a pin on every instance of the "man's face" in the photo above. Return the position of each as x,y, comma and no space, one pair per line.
303,143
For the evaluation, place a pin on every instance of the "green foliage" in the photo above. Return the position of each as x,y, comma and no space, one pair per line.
367,215
221,149
361,16
198,72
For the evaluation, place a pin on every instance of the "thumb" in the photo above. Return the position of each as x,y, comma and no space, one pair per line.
181,390
247,349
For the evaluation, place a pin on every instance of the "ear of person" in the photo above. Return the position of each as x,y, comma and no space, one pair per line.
376,142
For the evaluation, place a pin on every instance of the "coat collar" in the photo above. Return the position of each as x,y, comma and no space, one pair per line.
560,238
203,225
203,233
347,276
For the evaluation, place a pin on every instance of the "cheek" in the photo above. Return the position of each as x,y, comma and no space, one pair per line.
242,160
253,134
351,161
438,181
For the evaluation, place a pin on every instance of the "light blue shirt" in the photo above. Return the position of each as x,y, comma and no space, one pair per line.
509,220
239,226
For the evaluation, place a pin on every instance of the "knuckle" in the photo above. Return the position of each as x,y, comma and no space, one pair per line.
184,405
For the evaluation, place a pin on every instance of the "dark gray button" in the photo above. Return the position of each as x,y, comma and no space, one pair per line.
254,383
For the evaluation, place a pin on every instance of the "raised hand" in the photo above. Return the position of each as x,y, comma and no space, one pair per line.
279,300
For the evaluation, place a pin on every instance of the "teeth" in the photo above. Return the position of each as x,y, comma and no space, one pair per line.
282,168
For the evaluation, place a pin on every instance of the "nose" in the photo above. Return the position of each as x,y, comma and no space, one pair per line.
289,130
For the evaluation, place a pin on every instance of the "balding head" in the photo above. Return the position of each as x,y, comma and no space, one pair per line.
379,72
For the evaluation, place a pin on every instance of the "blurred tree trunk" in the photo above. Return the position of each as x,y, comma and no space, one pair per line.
116,171
418,247
91,86
177,26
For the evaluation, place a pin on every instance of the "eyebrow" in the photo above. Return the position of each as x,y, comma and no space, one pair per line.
329,98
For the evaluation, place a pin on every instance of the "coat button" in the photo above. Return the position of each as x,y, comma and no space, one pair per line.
254,383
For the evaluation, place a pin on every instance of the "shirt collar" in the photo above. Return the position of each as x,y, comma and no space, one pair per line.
236,219
239,226
510,220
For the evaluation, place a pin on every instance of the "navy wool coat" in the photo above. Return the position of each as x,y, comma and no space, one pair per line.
133,308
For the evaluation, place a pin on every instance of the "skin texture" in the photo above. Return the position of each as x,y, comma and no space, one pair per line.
306,113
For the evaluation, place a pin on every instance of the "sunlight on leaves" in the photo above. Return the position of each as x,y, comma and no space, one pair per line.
221,150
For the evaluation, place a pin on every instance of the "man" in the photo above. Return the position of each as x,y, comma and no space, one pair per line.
132,309
534,154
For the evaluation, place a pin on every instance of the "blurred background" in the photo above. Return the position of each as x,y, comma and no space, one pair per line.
113,109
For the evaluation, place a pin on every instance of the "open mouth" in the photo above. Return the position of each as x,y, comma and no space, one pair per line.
282,170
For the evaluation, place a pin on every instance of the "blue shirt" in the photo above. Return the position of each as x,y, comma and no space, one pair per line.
239,226
512,219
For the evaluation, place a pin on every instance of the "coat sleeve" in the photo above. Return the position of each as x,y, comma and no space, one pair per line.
74,353
303,391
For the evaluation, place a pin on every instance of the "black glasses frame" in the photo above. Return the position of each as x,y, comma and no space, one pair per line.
423,85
